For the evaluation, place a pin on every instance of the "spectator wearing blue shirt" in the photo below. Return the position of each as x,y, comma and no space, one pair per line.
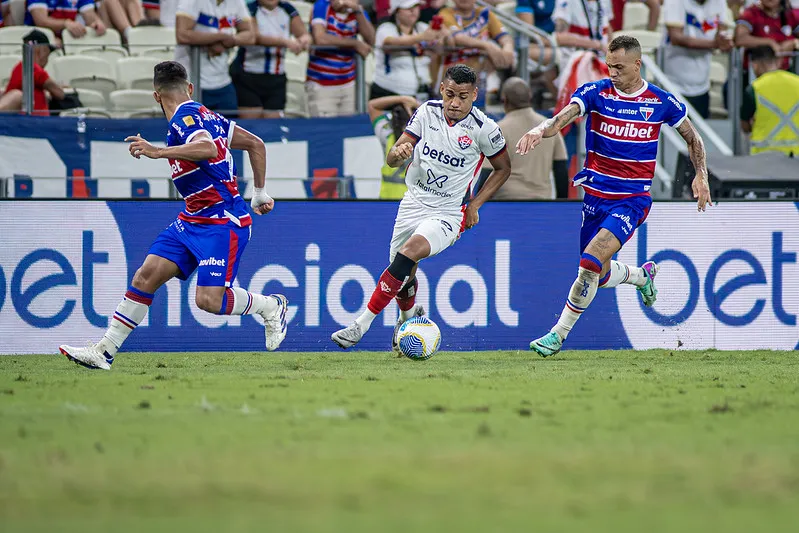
538,13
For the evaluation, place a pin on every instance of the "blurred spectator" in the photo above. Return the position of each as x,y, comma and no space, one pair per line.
404,72
770,108
259,72
771,22
121,14
539,14
617,20
428,9
581,25
331,73
694,29
477,31
164,11
5,14
60,15
389,116
217,25
530,175
12,99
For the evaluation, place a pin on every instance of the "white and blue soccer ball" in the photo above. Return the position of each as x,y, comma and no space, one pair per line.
419,338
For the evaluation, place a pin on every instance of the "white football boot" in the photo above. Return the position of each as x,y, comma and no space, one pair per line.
90,356
275,323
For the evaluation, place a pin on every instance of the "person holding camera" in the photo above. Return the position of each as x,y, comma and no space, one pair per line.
405,71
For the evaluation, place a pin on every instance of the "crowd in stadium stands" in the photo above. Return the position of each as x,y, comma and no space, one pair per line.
248,45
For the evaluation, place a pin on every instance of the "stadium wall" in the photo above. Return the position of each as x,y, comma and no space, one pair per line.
729,278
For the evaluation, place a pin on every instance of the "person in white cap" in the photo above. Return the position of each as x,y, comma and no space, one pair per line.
404,72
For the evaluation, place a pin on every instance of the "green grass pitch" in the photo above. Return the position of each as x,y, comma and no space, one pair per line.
366,442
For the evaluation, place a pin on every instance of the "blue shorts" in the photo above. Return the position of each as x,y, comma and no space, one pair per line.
620,217
222,100
213,249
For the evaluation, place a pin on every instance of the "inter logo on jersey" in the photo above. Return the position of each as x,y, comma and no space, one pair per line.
464,141
646,112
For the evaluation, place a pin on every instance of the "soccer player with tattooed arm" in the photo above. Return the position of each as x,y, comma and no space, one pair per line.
624,116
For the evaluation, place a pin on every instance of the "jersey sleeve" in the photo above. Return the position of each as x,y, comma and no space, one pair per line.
495,28
674,13
40,76
585,97
242,12
319,13
37,4
387,29
290,10
676,111
188,7
415,126
491,141
562,12
747,18
186,127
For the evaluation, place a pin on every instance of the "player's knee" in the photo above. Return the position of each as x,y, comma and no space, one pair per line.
208,301
142,280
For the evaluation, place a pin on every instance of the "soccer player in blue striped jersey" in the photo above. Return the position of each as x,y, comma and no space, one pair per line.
624,116
210,234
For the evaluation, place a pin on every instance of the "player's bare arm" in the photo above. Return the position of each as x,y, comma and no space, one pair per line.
200,148
401,151
242,139
696,151
548,128
497,178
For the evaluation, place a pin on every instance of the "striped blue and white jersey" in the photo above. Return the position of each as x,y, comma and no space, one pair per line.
212,16
621,138
273,23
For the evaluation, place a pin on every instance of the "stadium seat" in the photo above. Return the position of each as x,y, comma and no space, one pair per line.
11,38
304,9
152,41
108,47
85,72
636,16
7,64
136,72
132,100
650,40
296,66
92,99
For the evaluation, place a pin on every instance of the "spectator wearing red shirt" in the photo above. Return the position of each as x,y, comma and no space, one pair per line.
771,22
12,99
617,22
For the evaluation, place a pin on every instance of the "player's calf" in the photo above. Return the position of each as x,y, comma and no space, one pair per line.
581,294
272,308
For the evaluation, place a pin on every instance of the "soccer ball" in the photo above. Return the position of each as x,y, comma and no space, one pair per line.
419,338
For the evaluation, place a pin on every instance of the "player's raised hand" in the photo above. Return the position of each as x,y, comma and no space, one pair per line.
529,141
140,147
261,202
472,217
701,192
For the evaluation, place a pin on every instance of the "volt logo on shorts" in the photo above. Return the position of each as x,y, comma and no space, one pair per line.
440,180
212,261
442,157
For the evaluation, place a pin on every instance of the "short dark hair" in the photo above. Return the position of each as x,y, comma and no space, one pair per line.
625,42
461,74
170,76
762,54
399,119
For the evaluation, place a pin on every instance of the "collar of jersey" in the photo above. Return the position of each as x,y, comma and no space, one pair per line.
181,104
457,121
639,92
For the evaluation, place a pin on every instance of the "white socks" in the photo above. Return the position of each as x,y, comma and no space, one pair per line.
620,273
582,293
365,320
129,314
237,301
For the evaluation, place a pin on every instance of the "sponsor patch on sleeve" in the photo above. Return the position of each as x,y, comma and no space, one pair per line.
188,121
496,139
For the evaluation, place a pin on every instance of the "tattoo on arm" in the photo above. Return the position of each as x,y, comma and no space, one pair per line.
553,125
696,147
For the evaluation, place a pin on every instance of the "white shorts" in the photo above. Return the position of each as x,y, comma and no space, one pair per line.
441,229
